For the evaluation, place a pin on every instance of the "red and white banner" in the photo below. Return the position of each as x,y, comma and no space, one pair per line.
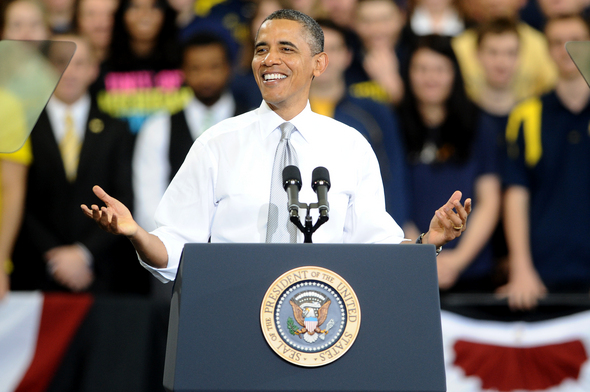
486,356
35,331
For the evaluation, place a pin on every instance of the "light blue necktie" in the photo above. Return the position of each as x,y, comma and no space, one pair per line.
279,228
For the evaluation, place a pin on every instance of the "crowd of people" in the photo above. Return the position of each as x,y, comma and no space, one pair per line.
475,95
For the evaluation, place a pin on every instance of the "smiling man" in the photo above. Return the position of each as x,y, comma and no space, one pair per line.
221,192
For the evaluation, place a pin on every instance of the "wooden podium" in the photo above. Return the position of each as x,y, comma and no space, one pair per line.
215,340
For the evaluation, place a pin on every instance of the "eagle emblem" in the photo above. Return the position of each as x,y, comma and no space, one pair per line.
310,309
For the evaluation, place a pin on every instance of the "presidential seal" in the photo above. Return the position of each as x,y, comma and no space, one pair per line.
310,316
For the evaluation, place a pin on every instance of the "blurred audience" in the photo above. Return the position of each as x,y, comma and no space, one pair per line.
308,7
74,146
185,11
442,17
13,175
165,140
60,14
497,51
141,75
341,12
536,72
537,12
498,54
547,180
555,8
24,20
448,145
329,96
375,69
228,19
93,19
19,20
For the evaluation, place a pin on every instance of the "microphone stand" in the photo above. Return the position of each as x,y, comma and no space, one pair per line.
309,227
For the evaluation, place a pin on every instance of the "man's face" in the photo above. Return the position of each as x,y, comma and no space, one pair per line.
79,74
378,23
96,21
206,71
498,55
559,32
284,66
340,57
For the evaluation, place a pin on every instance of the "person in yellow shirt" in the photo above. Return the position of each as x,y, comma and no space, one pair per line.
536,73
21,20
13,172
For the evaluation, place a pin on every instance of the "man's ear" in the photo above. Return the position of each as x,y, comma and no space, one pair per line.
321,63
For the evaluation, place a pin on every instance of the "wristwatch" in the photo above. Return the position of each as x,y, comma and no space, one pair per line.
419,241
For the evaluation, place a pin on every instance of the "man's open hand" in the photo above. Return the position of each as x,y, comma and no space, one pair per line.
114,218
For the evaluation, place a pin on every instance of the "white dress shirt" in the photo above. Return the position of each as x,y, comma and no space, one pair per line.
222,189
151,167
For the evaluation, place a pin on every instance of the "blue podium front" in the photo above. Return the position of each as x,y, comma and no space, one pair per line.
216,341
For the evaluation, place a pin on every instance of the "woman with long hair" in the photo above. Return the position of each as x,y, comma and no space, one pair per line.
449,147
141,75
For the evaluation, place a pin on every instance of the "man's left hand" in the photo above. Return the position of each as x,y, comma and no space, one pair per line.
449,221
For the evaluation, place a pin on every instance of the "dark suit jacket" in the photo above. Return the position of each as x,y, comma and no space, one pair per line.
52,212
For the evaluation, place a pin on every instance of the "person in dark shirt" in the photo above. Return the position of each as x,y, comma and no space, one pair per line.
330,96
547,181
447,144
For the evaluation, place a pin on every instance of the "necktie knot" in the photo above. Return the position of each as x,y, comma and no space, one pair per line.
286,129
69,121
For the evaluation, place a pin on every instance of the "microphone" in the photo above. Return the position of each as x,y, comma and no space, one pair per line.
292,184
320,182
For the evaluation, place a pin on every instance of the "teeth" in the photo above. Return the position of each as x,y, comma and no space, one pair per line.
274,76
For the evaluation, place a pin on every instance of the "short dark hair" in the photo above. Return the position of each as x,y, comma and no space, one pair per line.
326,23
496,26
206,39
568,17
313,29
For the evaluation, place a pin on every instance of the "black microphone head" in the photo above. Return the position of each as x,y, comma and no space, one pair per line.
320,174
291,174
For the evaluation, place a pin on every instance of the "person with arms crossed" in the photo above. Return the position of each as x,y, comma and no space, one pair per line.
221,193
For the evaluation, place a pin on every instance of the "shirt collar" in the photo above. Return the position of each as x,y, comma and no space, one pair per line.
269,121
195,112
77,109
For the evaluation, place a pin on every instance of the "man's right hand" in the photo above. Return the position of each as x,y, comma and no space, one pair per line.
114,218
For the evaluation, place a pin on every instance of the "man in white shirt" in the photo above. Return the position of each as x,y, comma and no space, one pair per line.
164,139
221,191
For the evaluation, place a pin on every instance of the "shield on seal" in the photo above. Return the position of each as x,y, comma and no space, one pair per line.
311,320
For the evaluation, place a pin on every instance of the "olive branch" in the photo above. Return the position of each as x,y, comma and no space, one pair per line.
292,327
